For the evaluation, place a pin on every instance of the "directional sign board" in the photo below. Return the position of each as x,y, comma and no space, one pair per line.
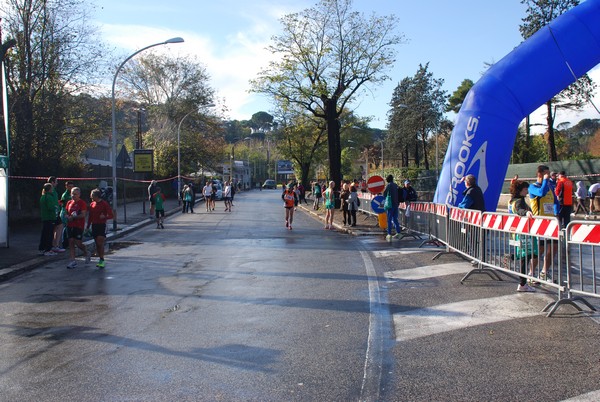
377,204
375,184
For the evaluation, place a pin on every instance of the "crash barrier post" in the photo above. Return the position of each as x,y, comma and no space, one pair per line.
365,206
438,221
582,273
465,239
414,219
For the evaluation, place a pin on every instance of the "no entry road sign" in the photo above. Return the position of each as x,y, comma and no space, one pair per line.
375,184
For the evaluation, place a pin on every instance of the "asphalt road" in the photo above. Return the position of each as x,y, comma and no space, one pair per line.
233,307
216,306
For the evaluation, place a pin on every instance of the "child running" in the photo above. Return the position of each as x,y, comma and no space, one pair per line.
76,214
159,208
100,211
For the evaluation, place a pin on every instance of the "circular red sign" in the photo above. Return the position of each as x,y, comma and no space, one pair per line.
375,184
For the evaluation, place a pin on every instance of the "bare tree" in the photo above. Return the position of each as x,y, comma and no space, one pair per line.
327,56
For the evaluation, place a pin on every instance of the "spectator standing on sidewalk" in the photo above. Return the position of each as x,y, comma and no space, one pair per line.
472,196
302,194
344,195
391,189
544,203
581,194
527,251
64,199
48,212
316,190
58,224
564,193
410,194
353,204
192,192
329,205
76,215
151,191
100,212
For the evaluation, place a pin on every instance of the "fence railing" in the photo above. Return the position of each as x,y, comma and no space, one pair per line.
567,260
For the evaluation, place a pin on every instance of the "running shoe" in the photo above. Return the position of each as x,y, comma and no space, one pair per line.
72,265
388,237
525,288
162,226
100,263
49,253
58,249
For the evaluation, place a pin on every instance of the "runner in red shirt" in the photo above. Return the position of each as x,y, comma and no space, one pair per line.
76,214
100,212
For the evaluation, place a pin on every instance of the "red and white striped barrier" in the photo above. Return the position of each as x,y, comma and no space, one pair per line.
466,215
539,226
585,233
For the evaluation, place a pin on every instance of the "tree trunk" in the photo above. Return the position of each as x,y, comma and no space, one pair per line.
417,157
551,144
304,174
333,142
425,156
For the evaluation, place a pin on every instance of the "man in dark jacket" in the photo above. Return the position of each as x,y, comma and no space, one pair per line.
392,213
472,196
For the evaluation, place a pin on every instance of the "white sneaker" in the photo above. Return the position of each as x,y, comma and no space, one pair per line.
72,264
525,288
58,249
49,253
388,238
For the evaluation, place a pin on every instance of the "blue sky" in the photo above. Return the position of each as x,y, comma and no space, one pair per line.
230,36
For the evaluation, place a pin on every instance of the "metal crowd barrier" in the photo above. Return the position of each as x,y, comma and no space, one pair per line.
583,274
522,246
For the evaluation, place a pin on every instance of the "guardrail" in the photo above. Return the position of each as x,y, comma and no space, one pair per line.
532,248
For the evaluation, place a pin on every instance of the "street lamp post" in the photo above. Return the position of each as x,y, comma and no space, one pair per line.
113,138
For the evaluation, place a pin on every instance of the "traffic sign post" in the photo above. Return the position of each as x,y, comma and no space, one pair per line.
377,204
375,184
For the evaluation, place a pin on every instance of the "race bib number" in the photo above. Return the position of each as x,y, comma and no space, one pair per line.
549,209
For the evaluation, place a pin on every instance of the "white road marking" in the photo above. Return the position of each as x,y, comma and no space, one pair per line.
449,317
379,324
403,251
589,397
430,271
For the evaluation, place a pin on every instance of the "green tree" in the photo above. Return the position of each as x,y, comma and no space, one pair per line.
458,97
540,13
171,88
417,108
327,56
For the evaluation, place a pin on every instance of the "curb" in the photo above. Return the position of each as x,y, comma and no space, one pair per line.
25,266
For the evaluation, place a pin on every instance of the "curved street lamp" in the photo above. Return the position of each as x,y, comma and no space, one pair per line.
113,138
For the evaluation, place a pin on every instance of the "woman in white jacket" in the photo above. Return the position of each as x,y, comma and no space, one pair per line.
581,194
353,204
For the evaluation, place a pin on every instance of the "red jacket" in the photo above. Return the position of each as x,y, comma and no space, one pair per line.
564,191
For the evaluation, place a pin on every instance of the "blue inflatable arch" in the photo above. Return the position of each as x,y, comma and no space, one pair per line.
487,123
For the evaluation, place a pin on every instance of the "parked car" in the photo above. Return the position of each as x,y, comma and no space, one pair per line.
270,184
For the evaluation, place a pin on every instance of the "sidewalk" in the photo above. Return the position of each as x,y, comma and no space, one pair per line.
22,254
